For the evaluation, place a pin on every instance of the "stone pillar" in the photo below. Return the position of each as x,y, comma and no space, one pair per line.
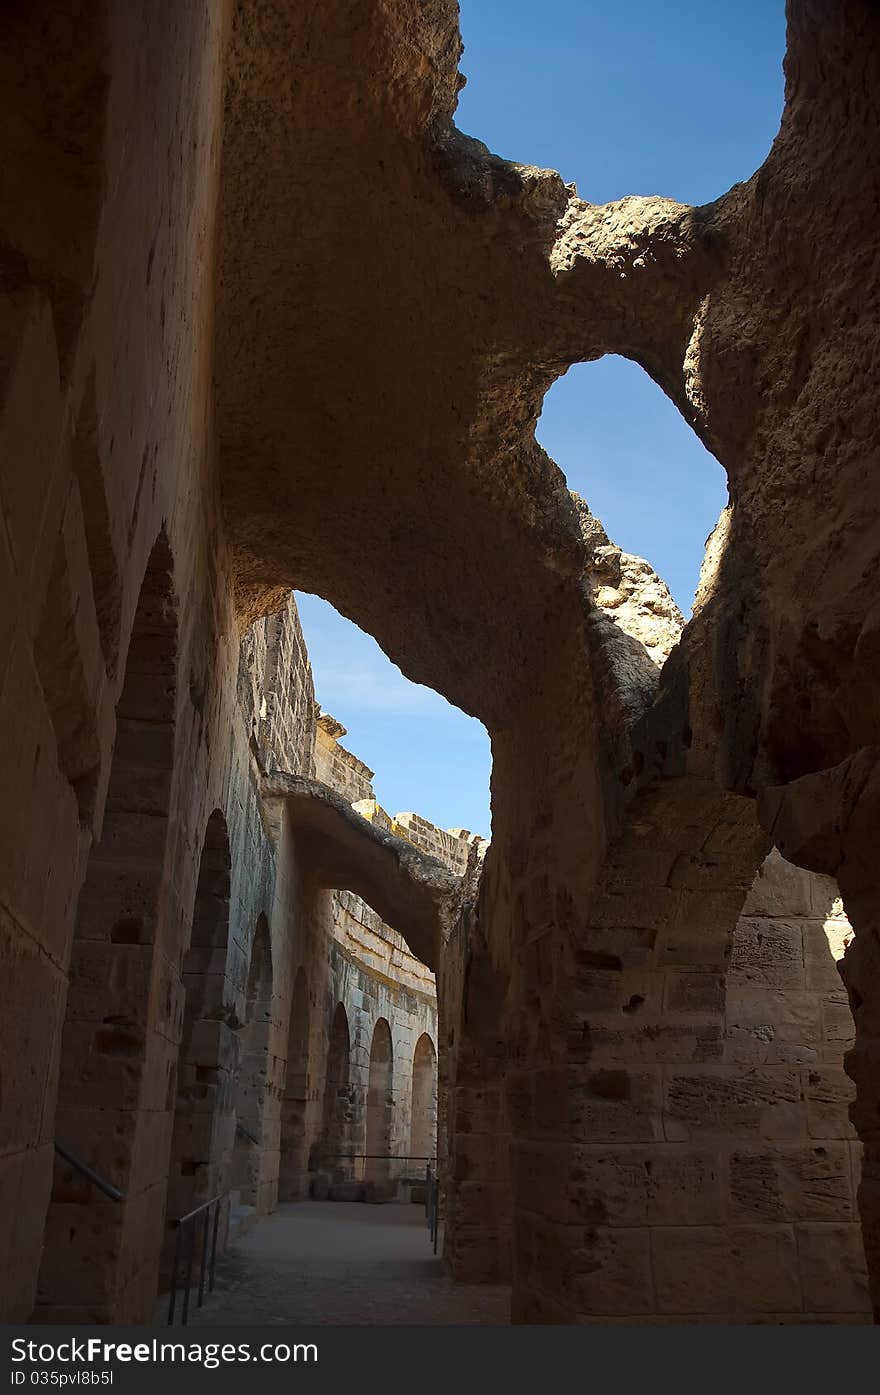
617,1168
475,1171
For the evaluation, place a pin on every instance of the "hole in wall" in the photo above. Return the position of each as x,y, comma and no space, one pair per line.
639,99
427,756
626,449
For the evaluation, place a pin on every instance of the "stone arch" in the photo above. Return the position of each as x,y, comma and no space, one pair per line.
253,1076
380,1104
293,1169
106,1113
203,1122
423,1126
336,1122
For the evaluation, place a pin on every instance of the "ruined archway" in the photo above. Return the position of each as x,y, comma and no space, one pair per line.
423,1126
293,1173
251,1143
109,1101
380,1105
203,1122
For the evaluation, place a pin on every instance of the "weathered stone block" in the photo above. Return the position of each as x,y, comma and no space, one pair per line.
764,1103
829,1093
838,1027
637,907
693,994
832,1264
659,1042
714,1269
769,1027
616,1105
705,871
646,1185
768,954
610,1273
618,991
693,948
796,1183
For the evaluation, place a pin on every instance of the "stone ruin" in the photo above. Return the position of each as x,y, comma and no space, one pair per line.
255,337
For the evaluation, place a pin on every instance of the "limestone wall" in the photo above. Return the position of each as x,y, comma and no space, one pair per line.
374,977
105,478
134,718
370,977
448,845
337,767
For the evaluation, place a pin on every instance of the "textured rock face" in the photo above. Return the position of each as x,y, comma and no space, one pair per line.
294,330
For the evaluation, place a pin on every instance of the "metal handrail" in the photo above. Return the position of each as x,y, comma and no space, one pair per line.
188,1225
390,1157
408,1176
432,1204
106,1187
246,1133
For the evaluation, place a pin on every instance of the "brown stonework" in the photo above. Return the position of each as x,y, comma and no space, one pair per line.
255,336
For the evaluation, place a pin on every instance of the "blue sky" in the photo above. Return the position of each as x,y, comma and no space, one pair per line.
675,97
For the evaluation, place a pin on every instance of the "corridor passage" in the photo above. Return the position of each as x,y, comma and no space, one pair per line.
343,1262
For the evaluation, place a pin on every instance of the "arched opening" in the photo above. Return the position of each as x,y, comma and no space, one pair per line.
253,1076
380,1105
203,1120
423,1128
426,753
293,1172
337,1107
728,1054
644,474
789,1027
113,1097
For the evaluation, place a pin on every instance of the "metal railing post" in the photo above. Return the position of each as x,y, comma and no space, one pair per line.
190,1253
173,1296
200,1227
214,1244
203,1266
